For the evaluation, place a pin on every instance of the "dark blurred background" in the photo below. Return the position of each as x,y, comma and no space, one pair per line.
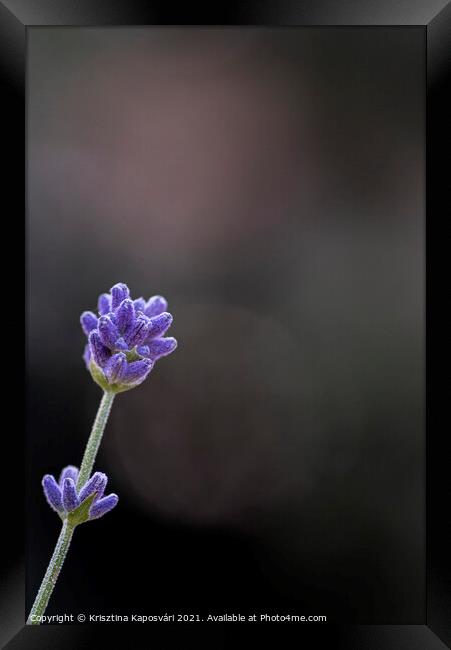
269,183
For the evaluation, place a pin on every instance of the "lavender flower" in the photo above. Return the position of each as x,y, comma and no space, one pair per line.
78,505
126,338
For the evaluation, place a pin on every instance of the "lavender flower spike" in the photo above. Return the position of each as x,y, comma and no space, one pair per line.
78,505
126,339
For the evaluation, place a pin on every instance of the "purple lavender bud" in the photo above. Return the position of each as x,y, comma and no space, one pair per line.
108,332
119,293
140,304
88,321
137,371
161,347
87,355
52,493
104,303
70,499
102,506
99,352
68,472
155,306
121,344
96,483
159,325
143,350
115,368
125,315
138,332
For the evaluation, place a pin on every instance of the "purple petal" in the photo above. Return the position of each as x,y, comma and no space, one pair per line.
125,314
159,325
99,352
155,306
97,483
119,293
70,499
140,304
52,492
137,371
161,347
87,355
69,472
108,331
102,506
115,368
143,350
104,304
88,322
139,331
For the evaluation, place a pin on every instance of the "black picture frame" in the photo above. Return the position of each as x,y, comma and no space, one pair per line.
16,17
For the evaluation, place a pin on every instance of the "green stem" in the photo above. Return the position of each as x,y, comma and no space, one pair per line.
63,543
95,438
52,573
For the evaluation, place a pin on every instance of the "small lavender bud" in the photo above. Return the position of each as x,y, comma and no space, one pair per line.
125,314
70,498
87,355
137,371
88,321
161,347
101,506
140,304
108,332
159,325
115,368
52,493
155,306
104,303
138,332
68,472
119,293
100,353
96,483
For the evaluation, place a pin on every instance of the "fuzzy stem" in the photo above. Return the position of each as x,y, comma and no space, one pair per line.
95,438
52,573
